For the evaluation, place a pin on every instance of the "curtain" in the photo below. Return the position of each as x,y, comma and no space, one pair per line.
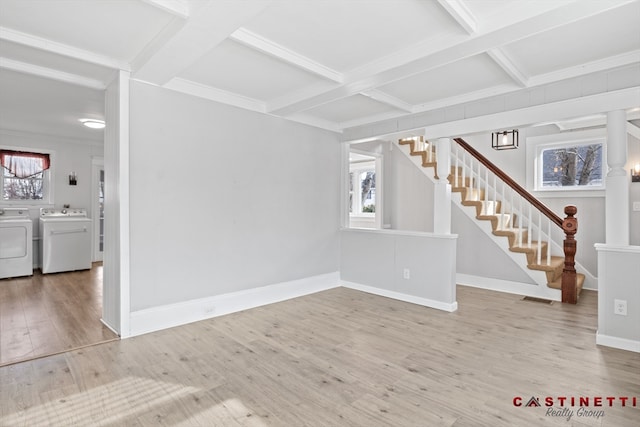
23,164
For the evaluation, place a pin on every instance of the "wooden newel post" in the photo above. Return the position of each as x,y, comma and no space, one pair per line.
569,278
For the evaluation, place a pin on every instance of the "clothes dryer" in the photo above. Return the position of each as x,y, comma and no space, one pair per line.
16,242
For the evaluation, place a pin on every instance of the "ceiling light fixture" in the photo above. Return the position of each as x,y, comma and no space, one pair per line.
93,123
505,140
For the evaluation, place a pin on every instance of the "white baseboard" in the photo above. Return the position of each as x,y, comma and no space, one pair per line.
615,342
518,288
168,316
440,305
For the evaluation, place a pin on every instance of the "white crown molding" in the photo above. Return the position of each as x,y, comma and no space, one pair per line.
269,47
49,73
214,94
178,8
61,49
462,15
314,121
504,62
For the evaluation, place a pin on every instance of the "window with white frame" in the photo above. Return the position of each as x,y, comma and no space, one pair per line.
25,176
570,165
362,189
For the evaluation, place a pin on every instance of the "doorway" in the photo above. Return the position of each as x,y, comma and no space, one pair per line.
97,207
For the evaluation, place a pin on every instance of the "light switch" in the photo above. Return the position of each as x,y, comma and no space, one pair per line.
636,206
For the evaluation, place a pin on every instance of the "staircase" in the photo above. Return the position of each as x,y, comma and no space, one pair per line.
514,215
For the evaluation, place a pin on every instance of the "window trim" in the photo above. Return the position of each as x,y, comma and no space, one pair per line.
47,178
357,170
535,147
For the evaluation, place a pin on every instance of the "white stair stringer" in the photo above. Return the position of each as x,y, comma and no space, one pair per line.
537,289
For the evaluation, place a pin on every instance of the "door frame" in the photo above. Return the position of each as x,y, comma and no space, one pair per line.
97,164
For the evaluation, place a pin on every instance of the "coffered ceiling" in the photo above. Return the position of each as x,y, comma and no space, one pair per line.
334,64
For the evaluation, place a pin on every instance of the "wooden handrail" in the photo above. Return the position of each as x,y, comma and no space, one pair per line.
569,225
510,182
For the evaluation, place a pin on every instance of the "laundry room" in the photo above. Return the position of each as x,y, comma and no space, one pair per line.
51,262
66,183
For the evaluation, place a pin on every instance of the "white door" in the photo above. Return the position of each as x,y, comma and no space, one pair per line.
98,208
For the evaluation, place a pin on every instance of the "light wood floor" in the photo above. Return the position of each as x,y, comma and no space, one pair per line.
336,358
50,313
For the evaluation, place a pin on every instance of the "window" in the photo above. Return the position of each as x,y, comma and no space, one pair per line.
362,190
560,163
24,175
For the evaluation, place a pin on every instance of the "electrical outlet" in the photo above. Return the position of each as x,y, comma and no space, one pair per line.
620,307
406,273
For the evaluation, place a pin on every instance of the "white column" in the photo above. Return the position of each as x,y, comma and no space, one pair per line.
617,181
442,191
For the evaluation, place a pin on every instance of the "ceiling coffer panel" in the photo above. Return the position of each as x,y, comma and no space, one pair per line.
469,75
236,68
346,34
593,39
351,108
115,28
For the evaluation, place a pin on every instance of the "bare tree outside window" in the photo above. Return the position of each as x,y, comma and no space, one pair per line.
579,165
366,197
23,175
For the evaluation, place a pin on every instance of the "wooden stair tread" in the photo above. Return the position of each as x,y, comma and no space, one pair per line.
532,248
557,284
508,232
556,262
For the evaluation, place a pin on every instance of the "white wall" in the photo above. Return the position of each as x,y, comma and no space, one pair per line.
479,256
224,200
67,155
619,271
375,261
409,194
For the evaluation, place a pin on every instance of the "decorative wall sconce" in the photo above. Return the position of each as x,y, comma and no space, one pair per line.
635,173
505,140
73,179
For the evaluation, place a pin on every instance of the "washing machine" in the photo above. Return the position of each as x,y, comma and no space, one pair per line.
16,243
65,240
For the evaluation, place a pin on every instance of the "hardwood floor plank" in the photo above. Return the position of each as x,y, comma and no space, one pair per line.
46,314
336,358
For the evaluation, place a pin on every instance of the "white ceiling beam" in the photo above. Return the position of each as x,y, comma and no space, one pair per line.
385,98
496,37
178,8
203,31
61,49
214,94
280,52
462,15
23,67
588,68
504,62
633,130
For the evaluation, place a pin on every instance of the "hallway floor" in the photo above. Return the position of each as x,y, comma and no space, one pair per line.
50,313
